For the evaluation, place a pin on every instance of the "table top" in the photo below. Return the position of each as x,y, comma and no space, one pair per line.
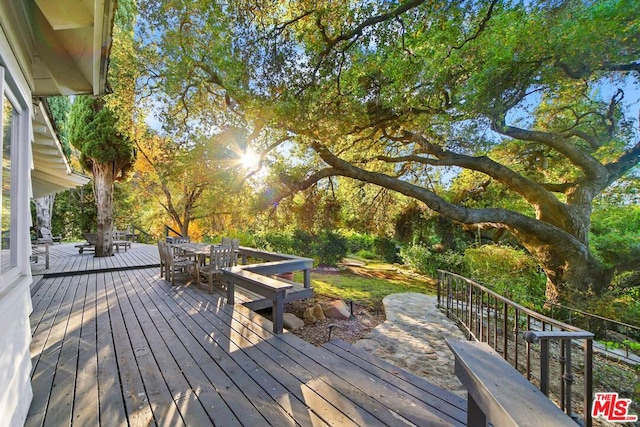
196,248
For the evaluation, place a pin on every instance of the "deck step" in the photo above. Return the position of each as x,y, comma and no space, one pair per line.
443,403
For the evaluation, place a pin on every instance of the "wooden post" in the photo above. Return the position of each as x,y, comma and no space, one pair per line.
278,311
307,278
230,292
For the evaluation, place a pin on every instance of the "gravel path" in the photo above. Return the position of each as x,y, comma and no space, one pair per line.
412,338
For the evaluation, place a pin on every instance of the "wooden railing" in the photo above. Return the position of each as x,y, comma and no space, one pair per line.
254,277
141,232
525,339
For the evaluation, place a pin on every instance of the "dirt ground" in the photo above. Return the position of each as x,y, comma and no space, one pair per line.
365,319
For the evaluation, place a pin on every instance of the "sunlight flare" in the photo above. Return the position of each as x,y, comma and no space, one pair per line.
250,159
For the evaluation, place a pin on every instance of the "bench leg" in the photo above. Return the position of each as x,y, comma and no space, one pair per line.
230,293
475,416
278,312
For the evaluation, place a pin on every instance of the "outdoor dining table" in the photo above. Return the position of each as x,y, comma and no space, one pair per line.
200,250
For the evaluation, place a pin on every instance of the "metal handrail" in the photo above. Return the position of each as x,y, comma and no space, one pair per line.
504,325
592,322
167,229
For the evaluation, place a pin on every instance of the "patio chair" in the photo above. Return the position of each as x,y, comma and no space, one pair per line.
235,244
174,266
90,244
221,257
47,237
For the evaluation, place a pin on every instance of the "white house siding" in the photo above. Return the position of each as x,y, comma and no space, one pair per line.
15,361
15,282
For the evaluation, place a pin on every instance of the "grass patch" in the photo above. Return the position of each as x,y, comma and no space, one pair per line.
370,284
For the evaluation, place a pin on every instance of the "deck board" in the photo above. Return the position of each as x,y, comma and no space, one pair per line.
124,347
217,366
86,404
110,399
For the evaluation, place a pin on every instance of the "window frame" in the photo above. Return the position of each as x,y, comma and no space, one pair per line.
19,138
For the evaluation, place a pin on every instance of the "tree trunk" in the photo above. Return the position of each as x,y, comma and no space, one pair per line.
44,207
571,275
103,179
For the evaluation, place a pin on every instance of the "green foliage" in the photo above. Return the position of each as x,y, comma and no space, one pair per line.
93,131
357,242
329,248
326,247
60,106
365,254
387,249
615,232
510,272
74,212
277,241
422,259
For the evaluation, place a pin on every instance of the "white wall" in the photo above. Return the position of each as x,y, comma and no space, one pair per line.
15,359
15,283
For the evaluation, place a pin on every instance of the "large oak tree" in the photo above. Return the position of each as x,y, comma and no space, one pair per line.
387,91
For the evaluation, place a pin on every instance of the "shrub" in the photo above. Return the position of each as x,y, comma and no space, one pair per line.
387,249
357,242
426,261
510,272
330,248
275,241
365,254
420,259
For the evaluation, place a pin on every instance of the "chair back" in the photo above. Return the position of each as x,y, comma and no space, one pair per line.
181,240
46,233
92,238
235,244
163,257
161,246
221,257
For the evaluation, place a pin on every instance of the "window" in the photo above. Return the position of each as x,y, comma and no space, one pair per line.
8,133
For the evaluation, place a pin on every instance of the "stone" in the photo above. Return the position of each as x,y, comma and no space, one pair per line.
337,310
309,317
412,338
291,321
317,312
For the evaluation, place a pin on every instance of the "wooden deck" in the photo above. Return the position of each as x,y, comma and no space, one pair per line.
64,259
125,348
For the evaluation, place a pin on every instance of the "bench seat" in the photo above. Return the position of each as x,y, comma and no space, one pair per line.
268,287
498,393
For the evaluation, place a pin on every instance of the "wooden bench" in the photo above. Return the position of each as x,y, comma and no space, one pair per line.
268,287
38,249
90,244
498,393
126,244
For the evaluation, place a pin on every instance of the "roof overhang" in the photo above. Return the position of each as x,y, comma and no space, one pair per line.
72,40
62,46
51,172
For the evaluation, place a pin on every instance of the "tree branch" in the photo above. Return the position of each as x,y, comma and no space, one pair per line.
589,165
481,28
625,162
498,218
